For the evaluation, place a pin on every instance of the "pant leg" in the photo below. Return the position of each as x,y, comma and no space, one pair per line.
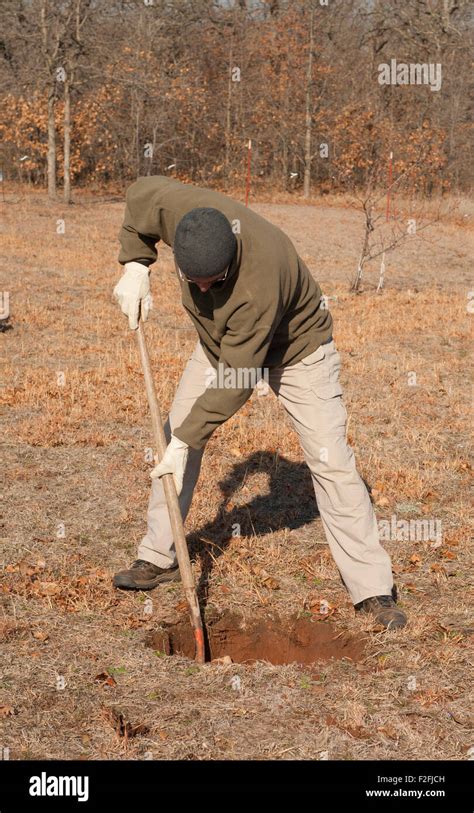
157,546
311,394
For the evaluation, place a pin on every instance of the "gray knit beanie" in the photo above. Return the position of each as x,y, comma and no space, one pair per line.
204,243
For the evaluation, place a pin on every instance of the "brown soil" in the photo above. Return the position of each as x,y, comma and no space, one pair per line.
278,641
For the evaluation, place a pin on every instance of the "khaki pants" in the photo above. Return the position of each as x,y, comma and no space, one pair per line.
310,392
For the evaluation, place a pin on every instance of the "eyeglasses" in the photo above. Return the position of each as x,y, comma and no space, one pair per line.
221,279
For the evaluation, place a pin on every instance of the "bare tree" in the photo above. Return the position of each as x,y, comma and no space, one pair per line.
308,109
74,53
384,235
52,27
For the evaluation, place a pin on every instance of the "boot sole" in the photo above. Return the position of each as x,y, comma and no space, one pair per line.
128,583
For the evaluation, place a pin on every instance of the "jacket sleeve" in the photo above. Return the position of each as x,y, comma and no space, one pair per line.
141,225
243,354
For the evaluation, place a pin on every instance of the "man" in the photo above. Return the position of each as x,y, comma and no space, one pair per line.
255,307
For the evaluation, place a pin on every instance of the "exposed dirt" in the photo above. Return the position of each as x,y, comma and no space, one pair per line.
272,639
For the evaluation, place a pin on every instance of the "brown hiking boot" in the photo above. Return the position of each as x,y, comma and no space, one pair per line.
384,610
145,576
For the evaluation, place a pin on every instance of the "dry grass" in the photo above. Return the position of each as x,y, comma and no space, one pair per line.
75,433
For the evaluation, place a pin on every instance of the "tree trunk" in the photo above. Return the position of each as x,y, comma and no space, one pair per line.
228,117
67,142
364,252
137,139
286,118
308,115
51,143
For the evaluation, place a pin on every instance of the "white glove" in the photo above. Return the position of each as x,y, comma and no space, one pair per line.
173,462
132,289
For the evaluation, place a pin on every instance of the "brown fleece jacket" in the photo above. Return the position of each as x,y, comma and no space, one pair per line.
267,313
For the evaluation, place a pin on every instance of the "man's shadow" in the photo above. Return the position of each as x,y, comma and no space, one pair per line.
289,503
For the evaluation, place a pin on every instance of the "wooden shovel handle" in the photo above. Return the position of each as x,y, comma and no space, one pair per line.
172,500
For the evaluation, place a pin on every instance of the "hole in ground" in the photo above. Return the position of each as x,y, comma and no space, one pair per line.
279,641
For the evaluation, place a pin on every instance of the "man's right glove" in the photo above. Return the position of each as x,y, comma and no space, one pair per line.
173,462
132,289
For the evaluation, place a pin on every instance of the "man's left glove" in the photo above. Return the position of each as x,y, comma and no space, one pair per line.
173,462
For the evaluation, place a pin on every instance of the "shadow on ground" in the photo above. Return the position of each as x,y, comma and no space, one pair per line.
289,503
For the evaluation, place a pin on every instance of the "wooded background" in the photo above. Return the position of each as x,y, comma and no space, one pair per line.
98,92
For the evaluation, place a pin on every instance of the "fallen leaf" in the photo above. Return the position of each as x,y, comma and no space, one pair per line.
105,679
271,583
121,726
97,573
40,636
437,568
320,606
388,731
48,588
25,568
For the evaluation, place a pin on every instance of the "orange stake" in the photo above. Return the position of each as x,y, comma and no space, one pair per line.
249,161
